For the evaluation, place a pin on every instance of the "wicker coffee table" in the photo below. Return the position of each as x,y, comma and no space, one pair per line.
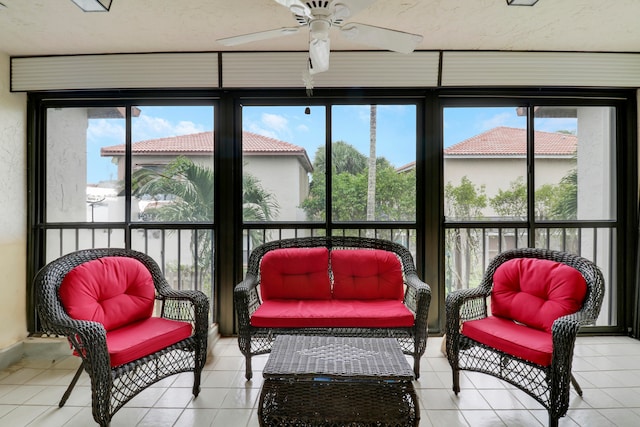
337,381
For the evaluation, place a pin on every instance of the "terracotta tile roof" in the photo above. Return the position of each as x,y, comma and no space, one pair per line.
203,143
506,141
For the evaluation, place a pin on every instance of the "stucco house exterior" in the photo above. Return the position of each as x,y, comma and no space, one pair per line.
282,168
495,158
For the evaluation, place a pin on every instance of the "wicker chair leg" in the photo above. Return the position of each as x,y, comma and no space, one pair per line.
456,381
66,394
248,373
553,421
196,383
416,366
576,385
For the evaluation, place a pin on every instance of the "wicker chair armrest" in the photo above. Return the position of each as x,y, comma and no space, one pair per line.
567,327
186,306
564,332
466,304
246,299
417,296
461,306
88,339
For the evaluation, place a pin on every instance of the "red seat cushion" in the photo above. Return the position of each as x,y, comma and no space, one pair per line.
366,274
536,292
295,273
144,337
114,291
509,337
332,313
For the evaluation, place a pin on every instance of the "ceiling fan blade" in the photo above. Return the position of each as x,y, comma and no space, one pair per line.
297,7
260,35
345,9
289,3
319,51
397,41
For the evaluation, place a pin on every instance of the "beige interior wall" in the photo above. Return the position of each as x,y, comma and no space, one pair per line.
13,219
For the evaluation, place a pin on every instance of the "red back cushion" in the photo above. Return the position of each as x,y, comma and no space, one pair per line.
114,291
536,292
366,274
295,273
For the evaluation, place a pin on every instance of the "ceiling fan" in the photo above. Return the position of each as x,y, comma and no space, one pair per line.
320,16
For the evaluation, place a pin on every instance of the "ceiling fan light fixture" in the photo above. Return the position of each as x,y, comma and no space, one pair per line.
319,29
93,5
521,2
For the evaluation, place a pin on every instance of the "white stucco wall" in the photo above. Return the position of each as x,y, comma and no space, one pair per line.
285,178
13,218
498,173
67,164
282,176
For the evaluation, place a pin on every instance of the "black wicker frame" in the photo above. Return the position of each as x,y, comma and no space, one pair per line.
549,385
253,341
111,388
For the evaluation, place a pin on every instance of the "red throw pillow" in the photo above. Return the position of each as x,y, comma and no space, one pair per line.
295,273
114,291
366,274
536,292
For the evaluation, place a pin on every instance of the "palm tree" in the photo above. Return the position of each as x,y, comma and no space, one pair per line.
187,184
257,205
345,158
189,188
371,181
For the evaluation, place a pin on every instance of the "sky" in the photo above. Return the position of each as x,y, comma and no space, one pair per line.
395,136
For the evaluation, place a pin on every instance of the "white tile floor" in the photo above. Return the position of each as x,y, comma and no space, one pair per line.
607,368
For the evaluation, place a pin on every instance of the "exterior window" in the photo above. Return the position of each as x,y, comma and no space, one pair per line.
279,146
88,186
81,185
370,172
507,186
457,179
485,164
373,153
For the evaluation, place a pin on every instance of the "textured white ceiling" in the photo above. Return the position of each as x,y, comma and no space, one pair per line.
51,27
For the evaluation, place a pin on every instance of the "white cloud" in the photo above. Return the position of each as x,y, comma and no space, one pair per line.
276,122
148,127
186,128
502,119
554,125
302,128
256,128
109,129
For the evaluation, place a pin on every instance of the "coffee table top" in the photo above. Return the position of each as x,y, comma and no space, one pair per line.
337,358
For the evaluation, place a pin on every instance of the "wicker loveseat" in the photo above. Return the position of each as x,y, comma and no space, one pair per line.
103,301
539,300
340,286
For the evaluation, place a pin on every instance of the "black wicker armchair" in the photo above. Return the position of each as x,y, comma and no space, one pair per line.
254,340
542,366
113,386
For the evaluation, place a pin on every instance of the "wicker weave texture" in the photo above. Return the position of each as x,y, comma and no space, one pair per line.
336,358
111,388
337,381
253,341
549,385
